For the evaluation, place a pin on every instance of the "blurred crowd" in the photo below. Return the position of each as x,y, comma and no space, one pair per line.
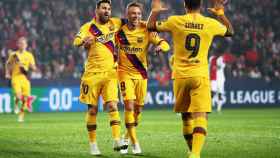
254,51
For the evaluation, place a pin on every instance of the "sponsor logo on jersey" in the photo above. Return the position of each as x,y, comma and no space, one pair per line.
140,39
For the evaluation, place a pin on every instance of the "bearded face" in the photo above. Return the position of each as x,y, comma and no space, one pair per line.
103,12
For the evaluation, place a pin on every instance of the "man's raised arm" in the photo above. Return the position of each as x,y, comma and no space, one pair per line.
156,9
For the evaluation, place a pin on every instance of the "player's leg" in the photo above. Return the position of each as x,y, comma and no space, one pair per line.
114,117
26,92
188,128
199,108
110,96
91,128
138,109
220,95
127,89
214,92
199,132
89,94
140,92
130,122
220,102
29,101
17,93
182,103
214,98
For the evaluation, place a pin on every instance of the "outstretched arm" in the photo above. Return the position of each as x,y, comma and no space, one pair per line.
8,66
82,38
161,44
156,9
224,20
218,10
7,70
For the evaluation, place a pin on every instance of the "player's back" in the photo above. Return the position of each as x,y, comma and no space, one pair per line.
192,37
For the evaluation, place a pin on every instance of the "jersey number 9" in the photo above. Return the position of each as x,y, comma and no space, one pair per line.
192,46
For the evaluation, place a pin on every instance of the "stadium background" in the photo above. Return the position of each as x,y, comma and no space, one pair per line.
252,80
252,55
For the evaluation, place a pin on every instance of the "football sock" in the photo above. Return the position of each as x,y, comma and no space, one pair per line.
219,105
126,136
115,124
130,126
199,134
23,104
188,131
91,127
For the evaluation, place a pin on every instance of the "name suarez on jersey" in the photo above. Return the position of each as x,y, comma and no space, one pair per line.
194,26
131,50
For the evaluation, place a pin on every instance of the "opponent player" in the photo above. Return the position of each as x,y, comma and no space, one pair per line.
220,81
17,67
100,75
192,36
213,77
134,39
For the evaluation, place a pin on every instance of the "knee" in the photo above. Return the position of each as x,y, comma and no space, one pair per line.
138,109
129,105
18,96
112,106
200,114
92,110
186,116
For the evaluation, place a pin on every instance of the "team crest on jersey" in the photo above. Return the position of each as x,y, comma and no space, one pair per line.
140,39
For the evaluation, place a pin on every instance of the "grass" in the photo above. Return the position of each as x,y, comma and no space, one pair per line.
236,133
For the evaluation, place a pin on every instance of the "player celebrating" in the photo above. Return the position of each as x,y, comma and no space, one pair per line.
17,67
100,75
192,36
134,39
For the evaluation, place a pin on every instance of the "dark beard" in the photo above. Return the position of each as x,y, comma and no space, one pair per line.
104,19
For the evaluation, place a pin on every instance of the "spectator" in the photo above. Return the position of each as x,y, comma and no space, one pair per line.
51,26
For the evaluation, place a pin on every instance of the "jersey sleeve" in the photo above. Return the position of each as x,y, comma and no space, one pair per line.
32,59
217,28
165,25
118,22
12,58
156,40
9,60
78,41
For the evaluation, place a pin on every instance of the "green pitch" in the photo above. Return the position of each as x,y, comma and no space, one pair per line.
241,133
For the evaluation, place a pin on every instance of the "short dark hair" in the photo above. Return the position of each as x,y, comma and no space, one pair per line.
99,2
135,4
193,4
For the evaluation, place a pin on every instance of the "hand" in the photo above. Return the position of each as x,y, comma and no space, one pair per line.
88,41
7,75
218,8
20,64
158,49
157,6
